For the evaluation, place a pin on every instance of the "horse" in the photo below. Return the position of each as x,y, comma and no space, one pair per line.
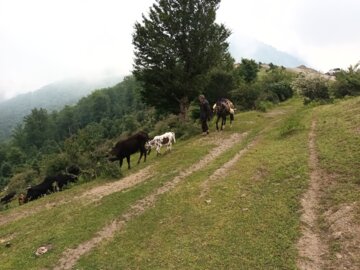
223,107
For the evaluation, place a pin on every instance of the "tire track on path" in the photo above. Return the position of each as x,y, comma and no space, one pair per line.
70,257
310,246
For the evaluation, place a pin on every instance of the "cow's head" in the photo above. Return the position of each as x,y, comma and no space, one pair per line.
112,154
148,147
73,177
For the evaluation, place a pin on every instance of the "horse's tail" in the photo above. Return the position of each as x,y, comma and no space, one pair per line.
231,116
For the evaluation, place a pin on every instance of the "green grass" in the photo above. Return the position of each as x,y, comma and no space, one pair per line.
252,221
248,220
338,144
69,224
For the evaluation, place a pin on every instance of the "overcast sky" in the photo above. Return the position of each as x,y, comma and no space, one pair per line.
42,41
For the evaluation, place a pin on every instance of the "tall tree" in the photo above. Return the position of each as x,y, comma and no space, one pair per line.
175,48
38,127
247,70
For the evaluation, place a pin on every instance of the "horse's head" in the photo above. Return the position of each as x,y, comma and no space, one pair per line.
219,107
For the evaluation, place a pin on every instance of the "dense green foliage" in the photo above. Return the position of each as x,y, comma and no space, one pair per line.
50,97
255,87
313,88
175,49
46,143
347,82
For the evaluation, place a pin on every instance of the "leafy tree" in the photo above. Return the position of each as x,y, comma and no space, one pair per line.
38,127
347,82
6,169
277,82
247,70
19,136
65,123
2,153
219,86
15,156
175,48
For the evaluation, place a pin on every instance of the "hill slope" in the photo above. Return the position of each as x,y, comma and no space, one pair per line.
51,97
241,47
216,202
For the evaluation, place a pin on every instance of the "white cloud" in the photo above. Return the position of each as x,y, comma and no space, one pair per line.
42,41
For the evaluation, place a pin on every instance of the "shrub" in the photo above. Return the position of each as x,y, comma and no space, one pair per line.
20,181
282,89
246,95
347,83
264,105
312,88
56,163
182,129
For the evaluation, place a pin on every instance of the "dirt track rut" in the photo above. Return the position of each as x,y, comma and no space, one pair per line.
71,256
312,248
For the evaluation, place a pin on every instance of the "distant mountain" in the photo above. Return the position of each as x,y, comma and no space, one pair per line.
51,97
243,47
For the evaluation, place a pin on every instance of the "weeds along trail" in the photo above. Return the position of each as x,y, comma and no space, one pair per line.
71,256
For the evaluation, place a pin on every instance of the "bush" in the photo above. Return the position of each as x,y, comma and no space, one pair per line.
20,181
182,129
56,163
264,105
246,95
282,89
347,83
314,88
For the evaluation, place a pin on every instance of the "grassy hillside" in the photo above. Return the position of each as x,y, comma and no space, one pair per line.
230,200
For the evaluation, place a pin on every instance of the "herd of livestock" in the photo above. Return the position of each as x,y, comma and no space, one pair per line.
123,149
139,142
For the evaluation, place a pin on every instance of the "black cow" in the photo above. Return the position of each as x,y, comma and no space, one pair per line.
73,169
129,146
8,197
39,190
48,185
64,179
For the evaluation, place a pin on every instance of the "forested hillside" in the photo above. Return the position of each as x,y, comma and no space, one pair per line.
50,97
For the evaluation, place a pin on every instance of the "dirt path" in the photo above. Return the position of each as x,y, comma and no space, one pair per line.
311,246
87,197
222,171
71,256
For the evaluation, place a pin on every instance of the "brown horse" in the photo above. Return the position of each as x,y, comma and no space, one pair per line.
223,107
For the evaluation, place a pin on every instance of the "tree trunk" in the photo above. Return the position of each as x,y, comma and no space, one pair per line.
184,107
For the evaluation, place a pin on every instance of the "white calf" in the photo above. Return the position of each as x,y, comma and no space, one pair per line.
167,139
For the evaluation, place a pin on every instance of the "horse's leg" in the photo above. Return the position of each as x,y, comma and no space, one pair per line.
231,119
223,122
217,121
